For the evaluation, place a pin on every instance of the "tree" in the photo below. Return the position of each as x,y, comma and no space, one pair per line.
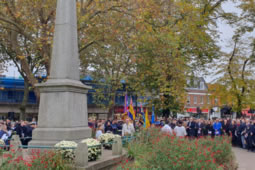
152,45
25,39
26,33
236,69
237,78
173,39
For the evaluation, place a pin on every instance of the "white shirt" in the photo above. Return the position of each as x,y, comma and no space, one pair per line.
98,134
180,131
167,129
4,137
128,129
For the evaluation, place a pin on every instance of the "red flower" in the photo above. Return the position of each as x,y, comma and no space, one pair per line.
28,164
182,158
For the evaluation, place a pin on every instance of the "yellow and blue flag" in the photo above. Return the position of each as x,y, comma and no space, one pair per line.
131,111
147,120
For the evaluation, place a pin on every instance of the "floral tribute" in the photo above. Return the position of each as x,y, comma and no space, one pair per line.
94,148
66,148
107,140
2,142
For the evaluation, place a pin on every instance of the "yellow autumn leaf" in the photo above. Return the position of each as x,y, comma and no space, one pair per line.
21,57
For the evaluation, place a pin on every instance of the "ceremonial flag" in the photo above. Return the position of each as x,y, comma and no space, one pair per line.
142,113
153,115
131,110
141,106
147,121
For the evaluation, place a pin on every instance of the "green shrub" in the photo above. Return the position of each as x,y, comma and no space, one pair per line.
154,150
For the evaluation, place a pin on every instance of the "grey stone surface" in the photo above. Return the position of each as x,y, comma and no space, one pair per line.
244,159
117,146
65,58
81,155
15,143
63,113
106,162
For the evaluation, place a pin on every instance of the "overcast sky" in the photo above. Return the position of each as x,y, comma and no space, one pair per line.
226,33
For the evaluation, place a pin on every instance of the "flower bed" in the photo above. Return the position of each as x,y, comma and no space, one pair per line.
94,148
154,150
39,160
67,153
107,140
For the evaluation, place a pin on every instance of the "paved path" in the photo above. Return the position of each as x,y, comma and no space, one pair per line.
245,159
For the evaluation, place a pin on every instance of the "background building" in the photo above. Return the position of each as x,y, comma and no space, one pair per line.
199,101
11,96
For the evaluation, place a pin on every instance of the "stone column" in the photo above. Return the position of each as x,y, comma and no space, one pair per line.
117,146
63,111
81,156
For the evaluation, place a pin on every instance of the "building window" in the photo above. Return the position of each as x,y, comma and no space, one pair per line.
188,99
208,100
195,84
202,85
188,82
201,99
195,99
216,101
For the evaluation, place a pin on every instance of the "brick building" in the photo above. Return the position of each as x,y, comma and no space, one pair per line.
199,101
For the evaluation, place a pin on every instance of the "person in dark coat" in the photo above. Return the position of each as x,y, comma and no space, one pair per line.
249,136
243,132
225,127
114,126
238,133
253,136
18,129
108,127
192,128
233,133
173,123
206,128
199,128
211,129
28,133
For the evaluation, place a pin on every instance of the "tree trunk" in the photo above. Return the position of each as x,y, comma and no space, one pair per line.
111,110
239,107
24,101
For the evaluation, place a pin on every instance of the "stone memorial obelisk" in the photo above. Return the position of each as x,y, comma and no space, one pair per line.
63,111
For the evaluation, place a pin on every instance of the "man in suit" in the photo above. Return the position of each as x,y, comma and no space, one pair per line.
200,126
192,128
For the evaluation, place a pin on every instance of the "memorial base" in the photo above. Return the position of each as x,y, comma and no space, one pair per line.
62,113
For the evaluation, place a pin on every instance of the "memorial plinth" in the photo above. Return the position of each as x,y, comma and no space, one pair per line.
63,111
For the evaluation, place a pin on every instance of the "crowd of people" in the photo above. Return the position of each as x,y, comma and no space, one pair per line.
241,130
22,128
